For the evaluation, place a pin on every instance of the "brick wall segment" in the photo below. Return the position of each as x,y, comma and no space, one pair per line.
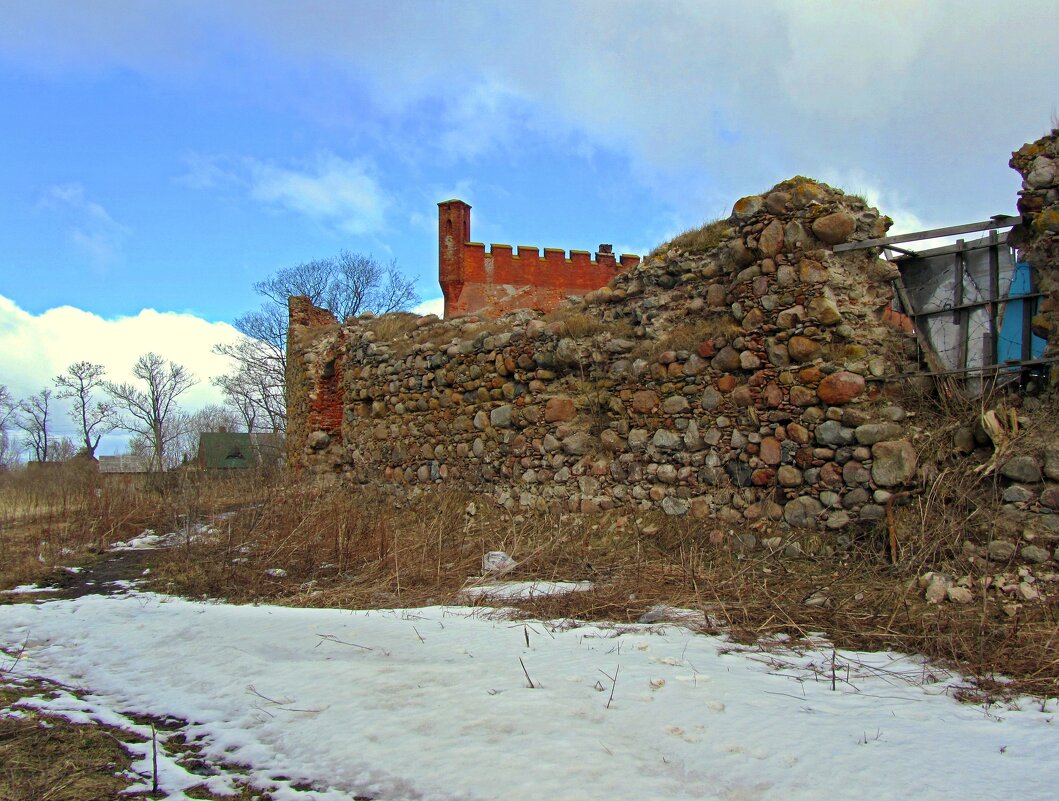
497,280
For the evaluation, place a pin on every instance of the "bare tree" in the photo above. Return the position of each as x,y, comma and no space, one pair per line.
210,418
7,407
151,411
8,453
240,395
32,417
94,418
346,285
139,447
256,388
61,450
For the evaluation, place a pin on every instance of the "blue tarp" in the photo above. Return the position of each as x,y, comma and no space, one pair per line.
1009,346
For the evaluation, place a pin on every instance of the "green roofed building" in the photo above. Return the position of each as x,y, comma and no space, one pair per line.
228,450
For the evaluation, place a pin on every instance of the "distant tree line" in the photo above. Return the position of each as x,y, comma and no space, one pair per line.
148,407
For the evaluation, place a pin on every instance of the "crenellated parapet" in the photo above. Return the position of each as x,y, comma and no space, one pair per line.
498,279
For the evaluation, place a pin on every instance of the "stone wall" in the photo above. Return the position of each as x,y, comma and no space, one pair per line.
499,280
744,383
315,401
1038,164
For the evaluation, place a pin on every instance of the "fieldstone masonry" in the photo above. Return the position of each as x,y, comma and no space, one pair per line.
746,383
1038,164
741,383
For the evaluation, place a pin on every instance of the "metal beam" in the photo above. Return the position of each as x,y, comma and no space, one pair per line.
978,304
985,225
967,370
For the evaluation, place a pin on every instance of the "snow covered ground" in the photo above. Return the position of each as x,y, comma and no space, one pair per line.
150,540
28,589
436,703
511,590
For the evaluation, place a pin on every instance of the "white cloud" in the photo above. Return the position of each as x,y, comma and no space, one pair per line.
338,193
927,92
90,227
861,40
477,120
37,347
890,202
431,306
205,172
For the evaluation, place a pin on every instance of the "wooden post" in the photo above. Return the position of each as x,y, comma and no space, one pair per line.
994,298
930,355
961,316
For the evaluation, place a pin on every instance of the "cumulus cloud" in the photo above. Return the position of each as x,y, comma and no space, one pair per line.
37,347
431,306
90,227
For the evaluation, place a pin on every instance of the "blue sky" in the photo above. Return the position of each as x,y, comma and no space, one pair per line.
164,156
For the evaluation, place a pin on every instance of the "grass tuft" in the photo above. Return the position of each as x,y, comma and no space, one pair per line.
391,326
579,324
697,240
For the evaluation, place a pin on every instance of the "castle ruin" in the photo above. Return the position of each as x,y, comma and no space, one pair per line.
753,382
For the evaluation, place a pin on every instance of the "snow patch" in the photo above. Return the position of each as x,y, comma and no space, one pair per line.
522,590
411,704
150,540
28,588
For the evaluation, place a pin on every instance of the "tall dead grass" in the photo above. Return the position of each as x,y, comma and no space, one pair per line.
573,321
697,240
60,517
359,548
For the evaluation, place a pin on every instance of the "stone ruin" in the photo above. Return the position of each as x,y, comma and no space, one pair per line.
1038,236
749,382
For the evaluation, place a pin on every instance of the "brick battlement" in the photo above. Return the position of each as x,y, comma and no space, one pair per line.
492,281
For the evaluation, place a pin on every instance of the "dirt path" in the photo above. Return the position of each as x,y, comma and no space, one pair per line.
113,573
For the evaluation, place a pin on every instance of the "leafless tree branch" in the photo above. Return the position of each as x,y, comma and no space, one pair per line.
346,285
94,419
151,412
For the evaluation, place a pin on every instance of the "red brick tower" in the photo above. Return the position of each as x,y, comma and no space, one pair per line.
454,229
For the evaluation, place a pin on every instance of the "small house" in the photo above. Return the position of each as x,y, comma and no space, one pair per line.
230,450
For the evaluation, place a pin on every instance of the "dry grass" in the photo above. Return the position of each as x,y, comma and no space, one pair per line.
63,517
688,336
573,321
697,240
45,756
389,327
358,548
58,518
576,323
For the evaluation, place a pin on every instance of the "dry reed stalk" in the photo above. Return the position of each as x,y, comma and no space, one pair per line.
363,548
